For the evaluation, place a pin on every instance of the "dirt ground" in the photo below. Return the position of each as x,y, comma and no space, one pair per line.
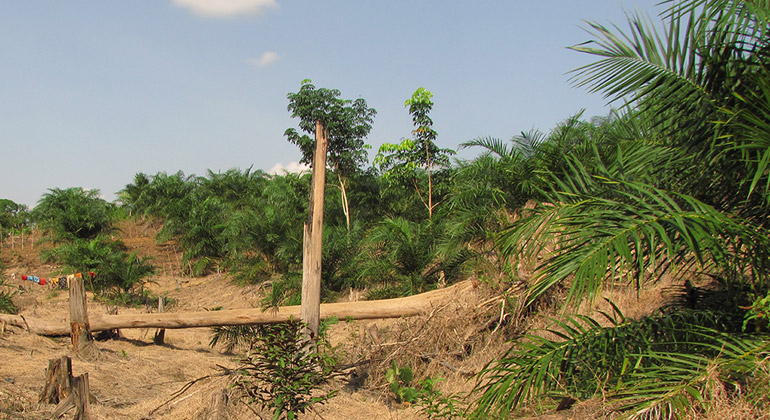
135,379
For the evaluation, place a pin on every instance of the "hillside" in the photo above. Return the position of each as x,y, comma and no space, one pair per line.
134,379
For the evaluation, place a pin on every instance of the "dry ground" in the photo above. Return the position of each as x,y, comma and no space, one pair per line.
134,379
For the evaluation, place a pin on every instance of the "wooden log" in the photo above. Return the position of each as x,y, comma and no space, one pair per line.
160,335
80,330
373,309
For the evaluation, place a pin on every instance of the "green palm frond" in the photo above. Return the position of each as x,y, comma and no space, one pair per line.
632,63
654,363
604,226
675,383
751,136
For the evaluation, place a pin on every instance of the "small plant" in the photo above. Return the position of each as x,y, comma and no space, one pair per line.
283,372
230,337
759,312
6,304
436,405
433,403
400,380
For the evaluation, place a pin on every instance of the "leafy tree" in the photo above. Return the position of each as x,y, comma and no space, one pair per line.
347,122
402,160
73,213
12,215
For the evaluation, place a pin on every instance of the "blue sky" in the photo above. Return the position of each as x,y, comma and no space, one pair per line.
95,91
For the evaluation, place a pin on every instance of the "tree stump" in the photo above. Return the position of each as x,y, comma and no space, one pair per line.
58,380
160,334
67,391
82,341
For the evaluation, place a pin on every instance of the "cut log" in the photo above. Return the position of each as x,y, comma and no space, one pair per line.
373,309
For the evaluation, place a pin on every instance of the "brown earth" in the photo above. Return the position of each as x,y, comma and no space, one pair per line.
183,378
134,379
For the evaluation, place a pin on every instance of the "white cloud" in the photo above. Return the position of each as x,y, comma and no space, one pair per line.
225,8
292,167
265,59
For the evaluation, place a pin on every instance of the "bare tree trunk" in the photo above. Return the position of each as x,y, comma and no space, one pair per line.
344,196
82,341
160,335
313,236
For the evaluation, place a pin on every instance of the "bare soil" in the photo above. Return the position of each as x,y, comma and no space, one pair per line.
135,379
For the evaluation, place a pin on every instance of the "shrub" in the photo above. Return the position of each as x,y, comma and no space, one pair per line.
283,372
6,304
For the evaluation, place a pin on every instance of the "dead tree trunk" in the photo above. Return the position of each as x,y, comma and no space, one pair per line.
80,331
67,391
58,384
313,236
160,334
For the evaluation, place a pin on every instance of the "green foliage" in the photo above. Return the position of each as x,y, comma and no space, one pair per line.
232,336
758,313
404,163
115,267
659,364
73,213
347,122
435,404
400,380
641,228
284,373
432,402
6,304
13,217
400,252
678,181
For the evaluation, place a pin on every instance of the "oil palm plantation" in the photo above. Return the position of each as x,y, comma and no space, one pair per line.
688,198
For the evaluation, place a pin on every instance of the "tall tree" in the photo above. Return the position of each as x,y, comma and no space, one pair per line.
402,160
339,125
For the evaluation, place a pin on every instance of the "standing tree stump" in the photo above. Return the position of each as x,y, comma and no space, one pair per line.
82,341
58,383
67,391
160,334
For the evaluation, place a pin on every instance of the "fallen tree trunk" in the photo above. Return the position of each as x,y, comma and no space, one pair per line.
372,309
